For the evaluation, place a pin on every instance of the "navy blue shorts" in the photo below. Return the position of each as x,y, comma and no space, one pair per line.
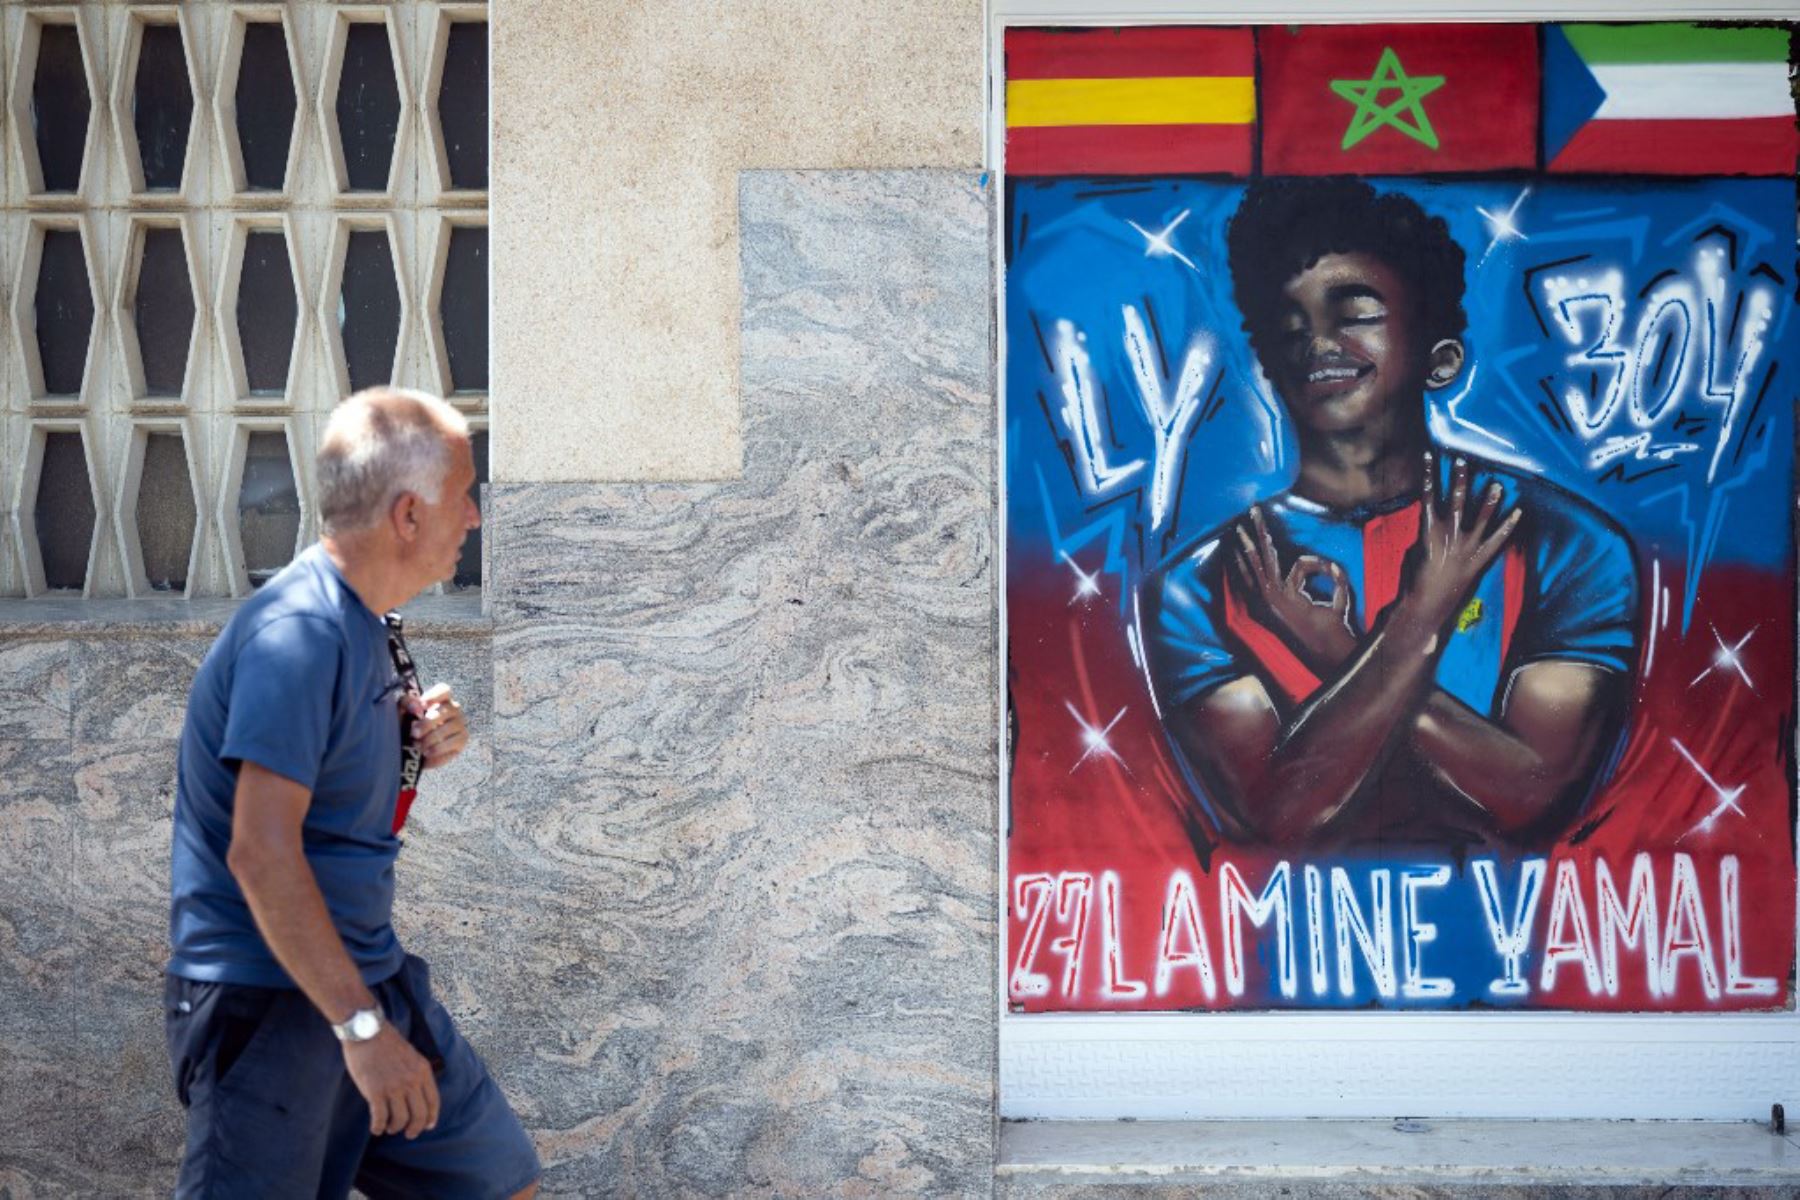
272,1111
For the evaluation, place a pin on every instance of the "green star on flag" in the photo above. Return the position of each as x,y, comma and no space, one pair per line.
1406,113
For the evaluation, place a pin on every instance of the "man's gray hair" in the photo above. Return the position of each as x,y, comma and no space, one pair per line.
380,443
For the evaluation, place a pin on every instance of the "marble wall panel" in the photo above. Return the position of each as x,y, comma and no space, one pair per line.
38,937
857,328
34,690
712,888
741,933
130,696
449,833
84,875
133,689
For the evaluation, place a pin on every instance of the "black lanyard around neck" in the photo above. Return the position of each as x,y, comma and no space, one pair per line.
412,760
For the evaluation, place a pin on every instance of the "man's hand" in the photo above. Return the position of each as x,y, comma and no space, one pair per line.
440,730
1453,549
1320,632
396,1081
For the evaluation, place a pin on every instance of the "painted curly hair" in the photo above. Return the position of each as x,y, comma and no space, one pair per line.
1283,226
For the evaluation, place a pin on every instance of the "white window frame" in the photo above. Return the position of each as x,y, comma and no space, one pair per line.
1241,1065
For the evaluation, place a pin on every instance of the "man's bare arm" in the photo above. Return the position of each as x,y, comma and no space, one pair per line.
268,860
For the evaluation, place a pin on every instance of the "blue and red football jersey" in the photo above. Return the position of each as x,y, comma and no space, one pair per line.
1565,587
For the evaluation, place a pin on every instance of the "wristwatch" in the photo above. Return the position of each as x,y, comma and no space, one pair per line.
362,1026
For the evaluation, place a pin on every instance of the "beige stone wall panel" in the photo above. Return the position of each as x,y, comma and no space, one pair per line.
618,131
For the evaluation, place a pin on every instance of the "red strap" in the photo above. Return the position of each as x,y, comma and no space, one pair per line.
403,805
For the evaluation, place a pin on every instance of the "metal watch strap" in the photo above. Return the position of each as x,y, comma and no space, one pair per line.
346,1034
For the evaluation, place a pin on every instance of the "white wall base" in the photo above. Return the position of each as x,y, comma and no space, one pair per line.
1378,1155
1225,1066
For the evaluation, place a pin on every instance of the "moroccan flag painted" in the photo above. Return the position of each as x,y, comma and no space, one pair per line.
1668,99
1143,101
1398,99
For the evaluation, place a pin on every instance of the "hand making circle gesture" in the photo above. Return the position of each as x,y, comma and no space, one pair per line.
1320,628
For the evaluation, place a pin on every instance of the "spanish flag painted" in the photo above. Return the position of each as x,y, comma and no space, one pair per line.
1147,101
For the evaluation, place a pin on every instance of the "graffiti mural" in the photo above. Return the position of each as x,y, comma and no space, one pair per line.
1399,463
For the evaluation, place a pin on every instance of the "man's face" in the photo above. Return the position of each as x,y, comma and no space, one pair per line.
443,526
1346,353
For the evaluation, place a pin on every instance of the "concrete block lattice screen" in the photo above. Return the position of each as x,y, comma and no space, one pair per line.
215,221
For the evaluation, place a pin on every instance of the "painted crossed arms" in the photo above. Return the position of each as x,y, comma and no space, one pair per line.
1291,774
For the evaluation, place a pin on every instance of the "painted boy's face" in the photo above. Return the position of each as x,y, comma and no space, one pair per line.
1346,353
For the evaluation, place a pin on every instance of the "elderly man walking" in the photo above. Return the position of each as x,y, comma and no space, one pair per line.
305,1043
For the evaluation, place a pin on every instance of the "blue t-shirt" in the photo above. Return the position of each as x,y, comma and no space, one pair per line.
301,683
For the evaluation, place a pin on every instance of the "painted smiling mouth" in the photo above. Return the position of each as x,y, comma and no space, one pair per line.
1336,374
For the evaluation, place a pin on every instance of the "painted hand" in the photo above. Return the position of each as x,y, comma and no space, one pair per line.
1318,631
440,729
1454,548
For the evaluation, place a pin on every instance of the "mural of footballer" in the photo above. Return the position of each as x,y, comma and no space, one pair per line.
1407,648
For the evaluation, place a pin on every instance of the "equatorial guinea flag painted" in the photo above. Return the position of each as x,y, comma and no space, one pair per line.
1668,99
1398,99
1163,101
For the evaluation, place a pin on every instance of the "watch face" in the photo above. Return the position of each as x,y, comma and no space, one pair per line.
364,1025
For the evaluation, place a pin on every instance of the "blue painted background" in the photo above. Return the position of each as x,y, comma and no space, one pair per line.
1074,254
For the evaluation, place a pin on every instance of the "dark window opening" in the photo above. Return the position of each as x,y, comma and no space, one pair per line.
368,107
268,507
60,107
266,106
267,310
162,107
64,310
369,309
166,519
463,308
163,311
463,104
63,512
468,566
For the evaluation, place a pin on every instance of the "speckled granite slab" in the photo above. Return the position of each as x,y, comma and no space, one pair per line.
740,933
713,888
87,785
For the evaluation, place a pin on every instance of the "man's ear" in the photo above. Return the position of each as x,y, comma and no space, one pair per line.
1444,364
405,516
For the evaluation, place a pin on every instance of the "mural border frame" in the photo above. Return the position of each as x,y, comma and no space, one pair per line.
1366,1064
